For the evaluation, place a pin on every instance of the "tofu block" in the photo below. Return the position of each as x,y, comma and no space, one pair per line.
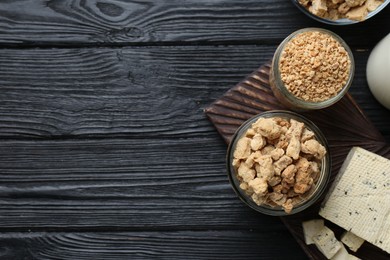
342,254
359,199
352,241
352,257
311,228
327,243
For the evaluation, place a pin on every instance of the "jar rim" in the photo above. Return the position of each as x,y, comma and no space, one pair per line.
291,98
321,183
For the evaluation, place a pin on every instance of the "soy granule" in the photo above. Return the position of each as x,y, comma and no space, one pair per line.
314,66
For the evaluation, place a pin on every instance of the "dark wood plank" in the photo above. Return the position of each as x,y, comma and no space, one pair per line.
139,92
61,22
132,184
246,244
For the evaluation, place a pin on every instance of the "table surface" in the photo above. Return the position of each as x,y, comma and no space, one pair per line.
105,150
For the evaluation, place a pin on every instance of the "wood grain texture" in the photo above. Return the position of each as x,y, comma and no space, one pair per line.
139,92
343,124
245,244
120,22
105,152
157,184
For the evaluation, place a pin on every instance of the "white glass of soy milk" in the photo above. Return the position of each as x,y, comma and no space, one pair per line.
378,71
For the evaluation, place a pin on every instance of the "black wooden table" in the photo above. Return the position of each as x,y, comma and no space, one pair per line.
106,152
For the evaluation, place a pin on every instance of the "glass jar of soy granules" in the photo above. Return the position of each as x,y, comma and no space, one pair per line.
312,69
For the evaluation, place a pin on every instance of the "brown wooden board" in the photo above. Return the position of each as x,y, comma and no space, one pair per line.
343,124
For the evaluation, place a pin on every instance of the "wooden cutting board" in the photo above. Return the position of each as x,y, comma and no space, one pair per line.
343,124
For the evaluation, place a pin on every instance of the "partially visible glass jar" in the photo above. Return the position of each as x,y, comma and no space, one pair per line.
288,99
307,199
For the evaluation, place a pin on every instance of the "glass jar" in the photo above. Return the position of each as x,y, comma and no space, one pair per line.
341,21
377,71
311,196
285,96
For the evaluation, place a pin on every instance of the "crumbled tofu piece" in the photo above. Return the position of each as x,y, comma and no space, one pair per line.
278,198
302,187
277,153
373,4
343,8
311,228
243,149
358,200
294,148
282,143
315,148
354,3
275,180
282,163
333,14
303,165
259,186
252,157
294,134
303,176
318,7
288,205
358,13
267,150
352,241
307,135
304,2
267,127
315,171
244,186
288,176
257,142
250,133
258,199
236,162
326,242
246,173
266,168
330,5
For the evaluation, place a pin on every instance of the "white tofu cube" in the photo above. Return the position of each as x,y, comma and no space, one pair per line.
311,228
327,243
351,240
352,257
342,254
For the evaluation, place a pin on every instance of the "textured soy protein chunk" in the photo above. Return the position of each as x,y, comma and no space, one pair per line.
271,165
337,9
